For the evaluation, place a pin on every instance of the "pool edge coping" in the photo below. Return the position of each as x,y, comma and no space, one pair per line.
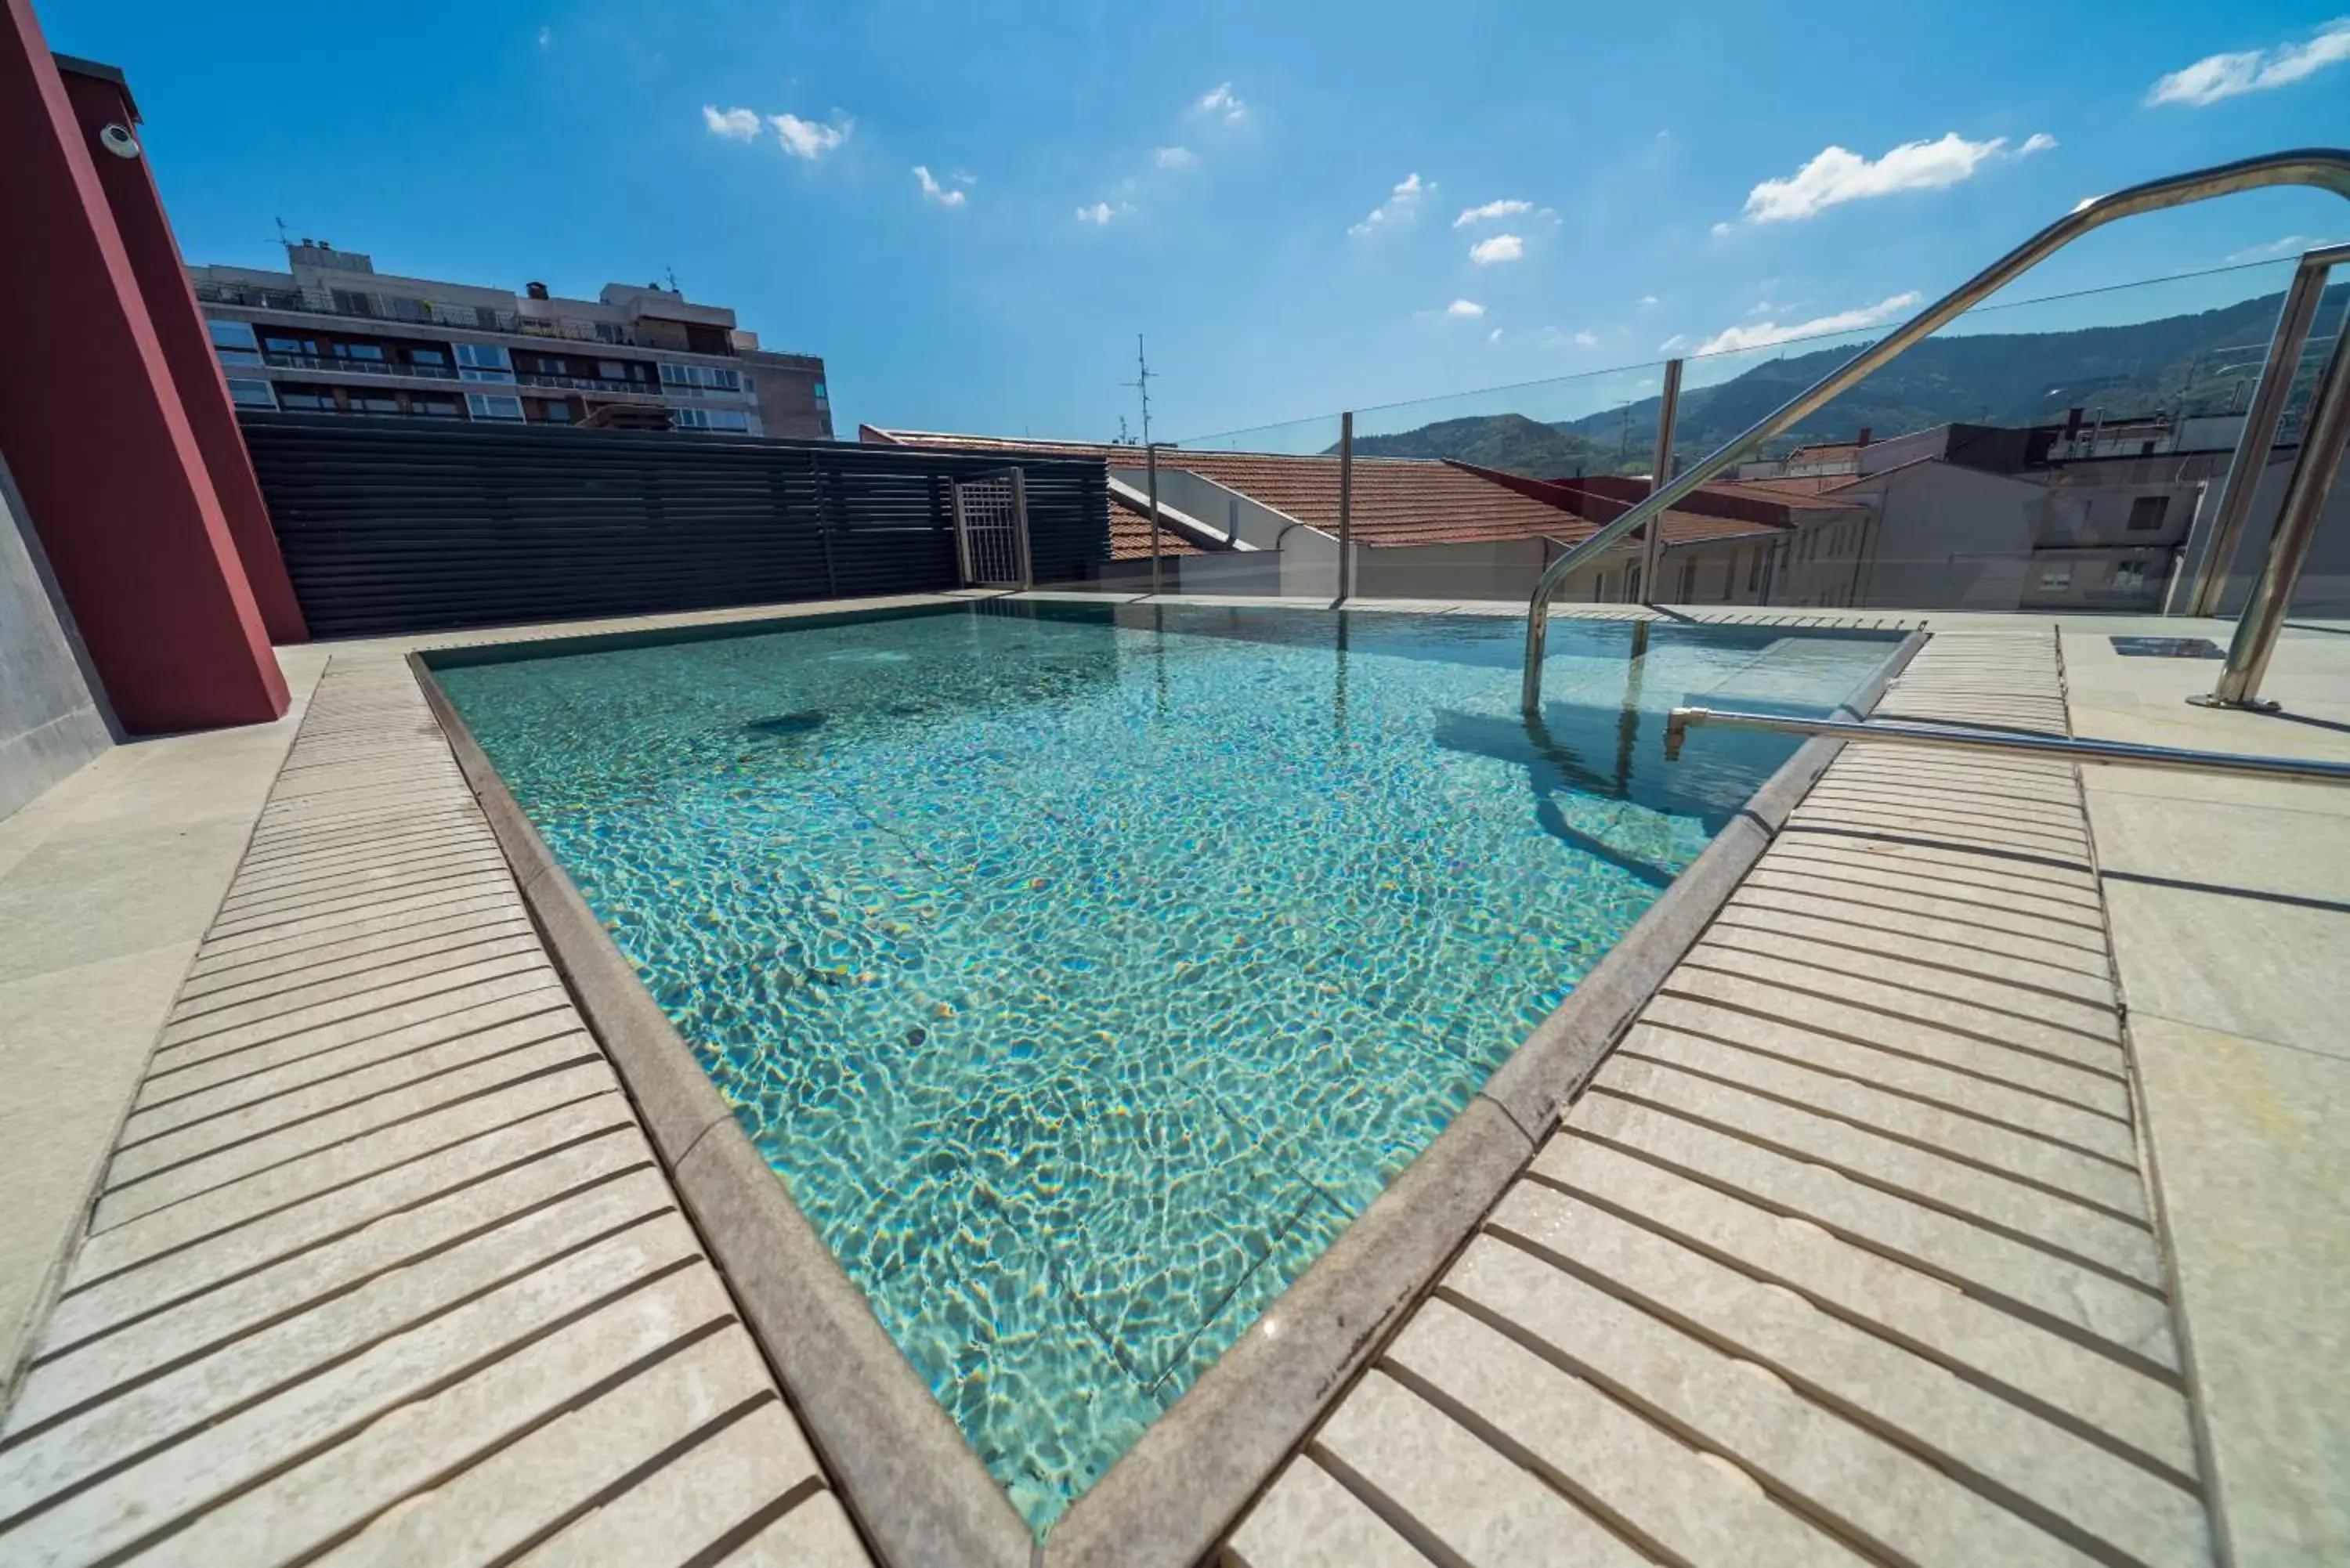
916,1487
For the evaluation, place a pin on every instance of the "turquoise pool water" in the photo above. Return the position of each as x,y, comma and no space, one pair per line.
1082,972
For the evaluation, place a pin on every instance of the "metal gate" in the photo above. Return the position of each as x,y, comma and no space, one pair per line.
990,522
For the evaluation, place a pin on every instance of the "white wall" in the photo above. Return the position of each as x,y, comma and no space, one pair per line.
2324,586
1947,538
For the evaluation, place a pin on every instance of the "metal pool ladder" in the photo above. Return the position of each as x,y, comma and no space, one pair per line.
2321,449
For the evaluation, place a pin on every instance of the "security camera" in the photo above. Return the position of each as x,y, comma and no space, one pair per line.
117,138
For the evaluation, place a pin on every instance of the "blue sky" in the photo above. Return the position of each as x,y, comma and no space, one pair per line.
970,209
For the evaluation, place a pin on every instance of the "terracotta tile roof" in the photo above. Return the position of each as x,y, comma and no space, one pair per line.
1130,534
1397,500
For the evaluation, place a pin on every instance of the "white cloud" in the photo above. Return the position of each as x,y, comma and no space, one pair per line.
1173,158
1586,339
2291,245
1725,228
734,124
1464,307
960,178
1764,332
1507,208
934,192
2217,76
809,138
1673,344
1495,336
1101,213
1500,248
1401,202
1221,100
1838,175
546,39
1648,302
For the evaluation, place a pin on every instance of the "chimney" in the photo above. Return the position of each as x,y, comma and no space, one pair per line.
1865,433
535,290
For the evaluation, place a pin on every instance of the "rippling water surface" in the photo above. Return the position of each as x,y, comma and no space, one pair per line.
1082,972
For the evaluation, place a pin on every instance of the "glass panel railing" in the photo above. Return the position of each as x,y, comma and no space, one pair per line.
2055,453
1249,513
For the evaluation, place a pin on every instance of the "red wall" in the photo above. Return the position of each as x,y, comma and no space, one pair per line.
95,433
178,322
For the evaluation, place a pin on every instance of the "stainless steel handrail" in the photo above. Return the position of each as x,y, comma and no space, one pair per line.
2323,437
2254,442
2326,168
1679,723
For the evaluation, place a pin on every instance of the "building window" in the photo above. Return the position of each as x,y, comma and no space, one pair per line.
372,403
437,407
250,394
483,362
2145,513
427,357
322,402
555,412
368,352
486,406
306,347
611,369
712,420
231,334
238,356
2055,579
820,393
712,376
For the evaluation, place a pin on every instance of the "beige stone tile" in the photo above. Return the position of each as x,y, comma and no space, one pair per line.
72,1043
1307,1519
1674,1500
2251,1150
816,1535
1478,1504
1892,1500
2251,966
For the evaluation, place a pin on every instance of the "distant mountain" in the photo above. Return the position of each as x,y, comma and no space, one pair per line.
2205,362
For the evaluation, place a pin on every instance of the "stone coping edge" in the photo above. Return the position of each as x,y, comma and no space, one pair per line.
1190,1479
917,1489
904,1468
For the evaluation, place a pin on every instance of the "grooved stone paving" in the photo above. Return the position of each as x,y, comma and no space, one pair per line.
1845,1254
383,1269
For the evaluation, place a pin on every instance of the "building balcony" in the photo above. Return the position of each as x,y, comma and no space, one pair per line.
341,366
599,384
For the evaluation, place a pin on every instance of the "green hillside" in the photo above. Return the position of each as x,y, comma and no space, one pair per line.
2199,362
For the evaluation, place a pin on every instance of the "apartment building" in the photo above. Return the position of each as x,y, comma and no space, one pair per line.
331,335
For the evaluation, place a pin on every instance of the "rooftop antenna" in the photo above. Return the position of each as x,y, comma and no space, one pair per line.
1123,439
281,233
672,280
1141,383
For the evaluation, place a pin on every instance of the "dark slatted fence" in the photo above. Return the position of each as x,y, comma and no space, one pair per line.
387,527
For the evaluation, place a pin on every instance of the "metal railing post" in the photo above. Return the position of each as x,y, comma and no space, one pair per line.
2327,169
1150,457
1669,404
2261,420
1020,528
1346,506
2323,436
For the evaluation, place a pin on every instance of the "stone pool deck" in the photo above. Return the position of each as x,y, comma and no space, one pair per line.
1848,1253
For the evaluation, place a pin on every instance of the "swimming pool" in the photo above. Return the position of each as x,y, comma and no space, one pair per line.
1083,970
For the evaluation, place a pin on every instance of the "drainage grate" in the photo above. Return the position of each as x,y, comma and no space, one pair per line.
2166,648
